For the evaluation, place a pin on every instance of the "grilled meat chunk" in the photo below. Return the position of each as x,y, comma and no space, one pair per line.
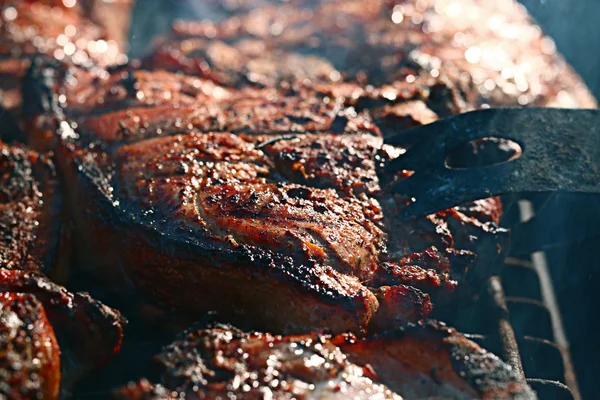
29,353
426,360
430,360
34,311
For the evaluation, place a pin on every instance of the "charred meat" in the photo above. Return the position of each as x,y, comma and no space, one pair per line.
382,43
60,344
418,361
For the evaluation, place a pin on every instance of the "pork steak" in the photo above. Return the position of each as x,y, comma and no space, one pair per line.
419,361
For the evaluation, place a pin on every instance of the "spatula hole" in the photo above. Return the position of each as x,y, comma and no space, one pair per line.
483,152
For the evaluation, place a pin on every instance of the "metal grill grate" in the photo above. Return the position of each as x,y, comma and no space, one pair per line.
519,319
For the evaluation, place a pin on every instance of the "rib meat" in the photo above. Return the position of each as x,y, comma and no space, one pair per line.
426,360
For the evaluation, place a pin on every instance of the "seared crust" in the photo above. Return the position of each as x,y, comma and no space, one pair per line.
224,361
193,282
425,360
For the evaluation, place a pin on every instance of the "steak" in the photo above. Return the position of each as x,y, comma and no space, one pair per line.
193,214
48,336
424,360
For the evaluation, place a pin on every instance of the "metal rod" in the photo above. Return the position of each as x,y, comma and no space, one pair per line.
508,340
540,263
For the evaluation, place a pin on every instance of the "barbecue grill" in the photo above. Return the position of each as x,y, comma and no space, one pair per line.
517,315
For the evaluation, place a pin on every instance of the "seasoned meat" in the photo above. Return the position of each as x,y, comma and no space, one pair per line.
209,186
426,360
75,319
30,220
431,360
66,33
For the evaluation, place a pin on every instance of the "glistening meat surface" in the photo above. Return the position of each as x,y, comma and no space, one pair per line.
425,360
274,207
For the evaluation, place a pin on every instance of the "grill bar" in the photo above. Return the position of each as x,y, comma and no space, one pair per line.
511,344
508,340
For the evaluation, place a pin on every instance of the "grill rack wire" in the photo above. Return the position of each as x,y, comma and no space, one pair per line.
519,319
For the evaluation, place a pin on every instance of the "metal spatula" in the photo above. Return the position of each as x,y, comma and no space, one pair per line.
493,152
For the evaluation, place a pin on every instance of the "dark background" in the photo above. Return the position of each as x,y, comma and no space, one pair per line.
575,26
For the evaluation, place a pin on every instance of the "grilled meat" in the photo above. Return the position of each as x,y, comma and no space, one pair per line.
213,186
425,360
382,42
30,361
86,33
